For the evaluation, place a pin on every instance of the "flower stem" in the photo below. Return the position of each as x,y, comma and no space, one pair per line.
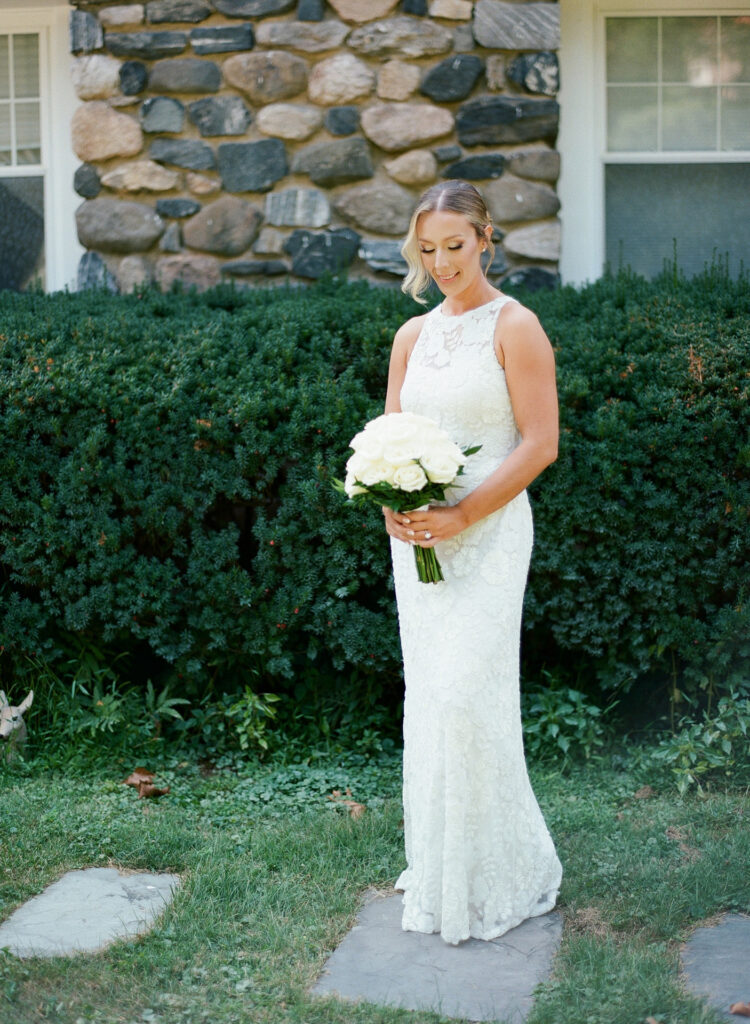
428,567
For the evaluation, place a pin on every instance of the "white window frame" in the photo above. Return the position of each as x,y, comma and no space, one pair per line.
49,19
583,142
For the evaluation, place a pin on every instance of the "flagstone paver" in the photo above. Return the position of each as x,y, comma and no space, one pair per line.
86,910
716,963
482,981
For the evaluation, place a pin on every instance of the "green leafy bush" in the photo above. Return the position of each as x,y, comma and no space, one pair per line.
165,490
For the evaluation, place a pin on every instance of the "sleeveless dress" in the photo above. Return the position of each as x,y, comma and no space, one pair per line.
480,859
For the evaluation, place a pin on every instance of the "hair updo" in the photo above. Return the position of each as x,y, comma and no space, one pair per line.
452,196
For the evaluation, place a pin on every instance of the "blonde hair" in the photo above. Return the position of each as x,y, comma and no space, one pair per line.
454,196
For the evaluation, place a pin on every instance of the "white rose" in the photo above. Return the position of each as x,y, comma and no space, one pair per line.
351,486
441,469
409,478
395,427
401,453
377,472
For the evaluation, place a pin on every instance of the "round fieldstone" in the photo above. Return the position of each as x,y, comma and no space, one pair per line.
171,240
188,269
385,208
512,199
116,225
133,77
185,74
397,80
253,8
298,207
310,10
148,45
222,39
268,76
94,274
201,185
86,181
476,168
513,26
488,120
531,279
220,115
357,11
311,37
269,242
417,7
95,77
251,166
495,72
177,207
395,126
141,176
159,11
342,120
340,79
444,154
188,153
133,272
226,226
401,37
162,114
383,257
535,162
317,253
451,10
85,32
417,167
293,121
121,14
452,79
536,242
99,132
254,268
333,163
536,72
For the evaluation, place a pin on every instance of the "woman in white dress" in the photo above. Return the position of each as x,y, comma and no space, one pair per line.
479,857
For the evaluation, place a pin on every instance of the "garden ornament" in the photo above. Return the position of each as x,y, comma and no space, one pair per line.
12,725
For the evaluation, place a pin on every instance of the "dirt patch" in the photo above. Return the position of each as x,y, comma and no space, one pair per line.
588,921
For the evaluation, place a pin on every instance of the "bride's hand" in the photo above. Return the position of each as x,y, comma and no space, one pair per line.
427,527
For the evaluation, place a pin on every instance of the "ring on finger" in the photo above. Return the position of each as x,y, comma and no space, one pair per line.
427,535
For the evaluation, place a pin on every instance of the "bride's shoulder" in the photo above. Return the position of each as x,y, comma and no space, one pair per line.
407,334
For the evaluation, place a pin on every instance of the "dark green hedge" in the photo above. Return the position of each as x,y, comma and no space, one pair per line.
165,466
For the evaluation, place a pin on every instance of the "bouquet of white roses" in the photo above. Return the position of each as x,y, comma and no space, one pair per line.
404,461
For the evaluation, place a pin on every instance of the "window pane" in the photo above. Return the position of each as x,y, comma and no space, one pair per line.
4,69
28,145
5,152
21,232
689,50
632,117
688,118
632,49
735,117
735,49
705,207
26,66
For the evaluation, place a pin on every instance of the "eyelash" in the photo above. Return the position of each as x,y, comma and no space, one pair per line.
452,248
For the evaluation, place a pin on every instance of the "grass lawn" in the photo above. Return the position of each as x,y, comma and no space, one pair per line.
272,875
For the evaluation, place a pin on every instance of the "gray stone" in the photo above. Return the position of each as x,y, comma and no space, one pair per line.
188,269
536,72
200,185
177,207
116,225
418,7
325,252
268,76
536,242
140,176
253,8
397,126
121,14
171,240
495,72
159,11
254,268
269,242
452,10
133,77
222,39
452,79
476,168
310,10
342,120
95,76
445,153
132,273
512,199
85,32
489,120
162,114
188,153
715,963
251,166
482,981
185,74
311,37
226,226
401,37
383,256
85,911
220,115
333,163
98,132
293,121
298,207
463,39
86,181
535,163
383,208
531,279
357,11
415,167
397,80
340,79
148,45
92,273
512,26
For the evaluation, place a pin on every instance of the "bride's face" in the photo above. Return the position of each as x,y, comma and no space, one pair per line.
451,250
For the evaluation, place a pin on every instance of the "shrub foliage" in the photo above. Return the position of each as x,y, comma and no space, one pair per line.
166,465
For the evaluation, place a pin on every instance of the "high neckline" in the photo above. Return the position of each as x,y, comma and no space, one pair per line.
474,309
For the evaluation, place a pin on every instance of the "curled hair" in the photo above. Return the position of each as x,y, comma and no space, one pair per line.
453,196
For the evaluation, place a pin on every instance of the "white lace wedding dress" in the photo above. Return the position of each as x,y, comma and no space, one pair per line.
480,859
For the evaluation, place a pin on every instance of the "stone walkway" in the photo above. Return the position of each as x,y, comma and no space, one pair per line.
716,963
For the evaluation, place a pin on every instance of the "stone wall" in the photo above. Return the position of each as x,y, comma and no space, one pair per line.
257,139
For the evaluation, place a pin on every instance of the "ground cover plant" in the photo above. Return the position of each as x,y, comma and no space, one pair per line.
273,872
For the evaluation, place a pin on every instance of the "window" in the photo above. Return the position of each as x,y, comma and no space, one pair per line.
677,141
